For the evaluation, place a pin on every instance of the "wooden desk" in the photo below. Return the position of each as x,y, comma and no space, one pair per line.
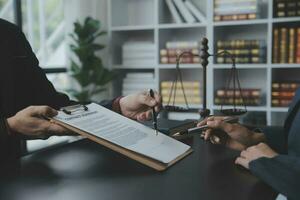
86,171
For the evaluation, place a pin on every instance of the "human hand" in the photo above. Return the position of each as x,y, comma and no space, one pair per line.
139,106
236,136
253,153
32,121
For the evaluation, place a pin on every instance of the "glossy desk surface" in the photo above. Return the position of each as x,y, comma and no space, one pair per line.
84,170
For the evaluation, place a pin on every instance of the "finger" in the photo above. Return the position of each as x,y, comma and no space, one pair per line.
43,111
148,115
141,117
244,154
219,124
202,123
207,134
215,139
146,99
242,161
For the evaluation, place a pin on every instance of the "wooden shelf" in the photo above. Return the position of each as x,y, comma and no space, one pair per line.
132,28
286,65
286,19
241,66
182,66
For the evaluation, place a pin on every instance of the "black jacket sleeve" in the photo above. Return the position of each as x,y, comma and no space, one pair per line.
281,172
42,88
276,138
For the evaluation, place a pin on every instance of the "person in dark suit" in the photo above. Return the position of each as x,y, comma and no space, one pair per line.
270,153
27,97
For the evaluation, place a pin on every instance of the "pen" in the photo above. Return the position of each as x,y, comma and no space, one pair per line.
154,116
202,128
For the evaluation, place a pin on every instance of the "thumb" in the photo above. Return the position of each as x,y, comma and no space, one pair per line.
44,111
147,100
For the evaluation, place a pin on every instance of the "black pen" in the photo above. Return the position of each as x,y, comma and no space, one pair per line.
154,116
199,129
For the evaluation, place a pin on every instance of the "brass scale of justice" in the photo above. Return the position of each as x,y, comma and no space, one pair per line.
232,83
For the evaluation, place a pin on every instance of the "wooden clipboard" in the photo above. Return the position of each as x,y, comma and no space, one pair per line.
157,165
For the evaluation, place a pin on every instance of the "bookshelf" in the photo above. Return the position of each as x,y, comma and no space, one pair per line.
150,20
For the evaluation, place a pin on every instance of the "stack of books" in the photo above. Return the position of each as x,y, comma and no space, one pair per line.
225,10
244,51
174,49
137,82
191,89
141,54
283,93
286,8
249,97
184,11
286,45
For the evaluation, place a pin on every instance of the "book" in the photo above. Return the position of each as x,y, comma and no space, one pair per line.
275,58
298,46
292,43
182,45
174,12
186,84
283,45
283,93
187,16
124,136
195,11
175,52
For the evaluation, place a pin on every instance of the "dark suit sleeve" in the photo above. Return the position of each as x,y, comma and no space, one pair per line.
281,172
44,91
276,138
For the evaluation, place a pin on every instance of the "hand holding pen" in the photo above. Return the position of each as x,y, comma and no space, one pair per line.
154,114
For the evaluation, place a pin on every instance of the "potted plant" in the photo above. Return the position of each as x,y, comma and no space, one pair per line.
88,70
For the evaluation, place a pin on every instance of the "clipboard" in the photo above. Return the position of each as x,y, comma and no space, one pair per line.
143,159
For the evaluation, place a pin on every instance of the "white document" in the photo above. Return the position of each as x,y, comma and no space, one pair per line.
124,132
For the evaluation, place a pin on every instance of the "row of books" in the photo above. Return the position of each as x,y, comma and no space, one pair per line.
169,54
283,93
244,51
137,81
249,97
184,11
286,45
225,10
138,53
191,89
286,8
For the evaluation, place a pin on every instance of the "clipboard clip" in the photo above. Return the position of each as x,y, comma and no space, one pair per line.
69,110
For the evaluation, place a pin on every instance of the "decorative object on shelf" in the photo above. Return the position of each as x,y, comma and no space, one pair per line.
173,49
232,84
174,90
138,53
289,8
244,51
286,44
88,71
137,81
184,11
225,10
283,93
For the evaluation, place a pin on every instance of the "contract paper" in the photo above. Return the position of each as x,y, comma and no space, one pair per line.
124,132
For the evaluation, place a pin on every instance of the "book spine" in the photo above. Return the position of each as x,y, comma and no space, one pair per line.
283,45
173,11
291,58
275,45
182,45
298,46
184,11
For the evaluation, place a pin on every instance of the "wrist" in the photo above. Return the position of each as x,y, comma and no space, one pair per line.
11,125
258,137
116,105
